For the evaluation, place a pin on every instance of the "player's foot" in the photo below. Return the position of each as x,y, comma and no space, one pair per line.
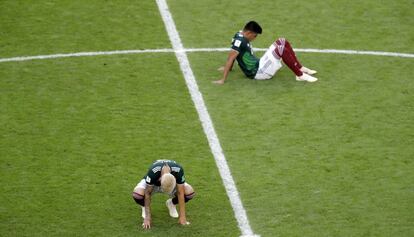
171,208
307,70
306,77
143,212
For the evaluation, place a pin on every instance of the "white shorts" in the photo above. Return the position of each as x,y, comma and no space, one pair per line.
269,64
157,189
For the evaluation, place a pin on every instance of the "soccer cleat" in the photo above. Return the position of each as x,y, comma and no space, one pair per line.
143,212
306,77
171,208
307,70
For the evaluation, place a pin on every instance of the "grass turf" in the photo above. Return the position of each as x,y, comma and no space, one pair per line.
340,24
49,27
332,158
76,140
327,159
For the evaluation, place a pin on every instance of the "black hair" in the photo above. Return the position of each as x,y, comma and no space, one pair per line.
253,26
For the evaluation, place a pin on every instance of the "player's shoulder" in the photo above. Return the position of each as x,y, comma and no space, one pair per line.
155,167
156,163
154,172
239,36
175,167
238,39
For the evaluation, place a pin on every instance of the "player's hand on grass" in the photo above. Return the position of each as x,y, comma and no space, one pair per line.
183,221
219,82
147,223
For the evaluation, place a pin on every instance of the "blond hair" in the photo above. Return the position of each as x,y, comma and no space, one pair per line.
167,183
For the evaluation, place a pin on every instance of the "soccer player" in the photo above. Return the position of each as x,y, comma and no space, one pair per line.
267,66
164,176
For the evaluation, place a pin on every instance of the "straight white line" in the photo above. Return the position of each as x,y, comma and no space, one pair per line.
330,51
356,52
140,51
224,170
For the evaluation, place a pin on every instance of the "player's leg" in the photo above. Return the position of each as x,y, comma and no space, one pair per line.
171,203
269,64
139,192
284,50
188,194
139,195
292,53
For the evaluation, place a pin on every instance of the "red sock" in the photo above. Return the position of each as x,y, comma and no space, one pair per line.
285,51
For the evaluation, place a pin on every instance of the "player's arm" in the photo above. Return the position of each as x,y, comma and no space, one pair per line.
181,204
229,65
232,64
221,69
147,220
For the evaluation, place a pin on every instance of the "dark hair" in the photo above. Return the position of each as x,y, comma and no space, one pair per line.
253,26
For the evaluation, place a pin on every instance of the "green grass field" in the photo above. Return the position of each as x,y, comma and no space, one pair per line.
333,158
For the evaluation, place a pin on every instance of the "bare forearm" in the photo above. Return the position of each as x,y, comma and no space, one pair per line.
231,67
227,68
229,64
148,205
181,204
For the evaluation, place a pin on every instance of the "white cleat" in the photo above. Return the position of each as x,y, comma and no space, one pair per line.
143,212
171,208
306,77
308,71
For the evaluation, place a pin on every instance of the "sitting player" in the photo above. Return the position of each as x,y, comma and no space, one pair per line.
267,66
164,176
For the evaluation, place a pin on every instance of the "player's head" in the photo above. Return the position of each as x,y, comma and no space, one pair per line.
167,183
251,30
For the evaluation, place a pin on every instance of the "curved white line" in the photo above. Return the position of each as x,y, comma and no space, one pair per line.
84,54
189,50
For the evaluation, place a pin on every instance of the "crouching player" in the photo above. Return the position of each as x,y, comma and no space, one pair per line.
164,176
267,66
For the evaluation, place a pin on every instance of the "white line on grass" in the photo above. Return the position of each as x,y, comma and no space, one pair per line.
197,97
84,54
141,51
330,51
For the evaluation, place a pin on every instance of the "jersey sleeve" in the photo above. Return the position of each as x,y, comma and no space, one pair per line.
237,44
180,178
151,177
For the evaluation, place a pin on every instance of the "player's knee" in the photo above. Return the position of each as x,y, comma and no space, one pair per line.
138,198
188,188
281,41
189,192
189,196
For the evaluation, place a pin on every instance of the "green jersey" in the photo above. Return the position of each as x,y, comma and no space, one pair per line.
248,63
154,172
